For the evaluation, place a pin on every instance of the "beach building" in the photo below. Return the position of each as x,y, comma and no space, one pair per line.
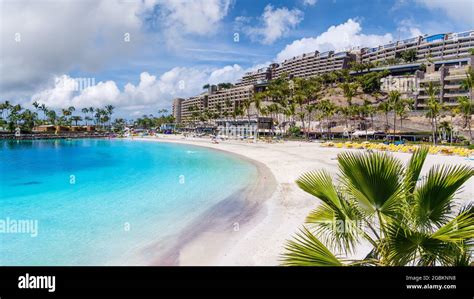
433,47
177,109
192,105
228,99
313,64
447,81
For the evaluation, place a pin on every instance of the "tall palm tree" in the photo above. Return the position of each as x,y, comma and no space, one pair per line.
109,109
406,219
446,129
465,104
468,82
76,119
85,111
394,99
328,109
349,90
385,108
310,108
434,108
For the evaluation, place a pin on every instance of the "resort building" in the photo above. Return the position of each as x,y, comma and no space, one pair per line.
226,100
177,103
434,47
314,63
447,81
191,105
441,58
260,76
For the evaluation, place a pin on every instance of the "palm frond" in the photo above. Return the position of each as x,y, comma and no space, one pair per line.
339,229
307,250
458,229
373,180
433,199
319,184
414,167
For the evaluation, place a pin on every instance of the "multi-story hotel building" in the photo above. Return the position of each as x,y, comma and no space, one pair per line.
192,104
177,103
260,76
314,63
435,47
447,81
449,52
229,98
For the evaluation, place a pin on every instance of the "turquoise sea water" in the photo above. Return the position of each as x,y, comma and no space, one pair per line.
99,202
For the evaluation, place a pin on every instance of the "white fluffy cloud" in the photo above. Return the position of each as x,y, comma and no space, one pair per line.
461,11
409,28
309,2
274,24
198,16
337,37
42,39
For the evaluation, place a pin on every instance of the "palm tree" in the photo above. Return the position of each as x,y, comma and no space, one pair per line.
446,130
434,108
394,99
85,111
45,110
402,109
328,109
385,108
51,116
406,219
76,119
109,110
349,90
465,104
246,104
310,108
468,82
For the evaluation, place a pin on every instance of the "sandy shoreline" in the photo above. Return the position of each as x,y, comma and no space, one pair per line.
257,236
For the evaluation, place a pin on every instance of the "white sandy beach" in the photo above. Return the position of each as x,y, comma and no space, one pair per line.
260,241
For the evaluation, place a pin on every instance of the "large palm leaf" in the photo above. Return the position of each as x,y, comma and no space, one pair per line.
336,221
307,250
434,198
449,245
413,169
373,180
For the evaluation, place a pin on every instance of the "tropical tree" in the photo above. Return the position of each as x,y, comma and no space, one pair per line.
434,108
246,104
349,90
402,109
407,219
446,130
76,119
394,99
85,111
465,105
409,55
328,109
51,117
310,108
385,108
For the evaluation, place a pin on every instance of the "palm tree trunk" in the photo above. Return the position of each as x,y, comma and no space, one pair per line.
394,124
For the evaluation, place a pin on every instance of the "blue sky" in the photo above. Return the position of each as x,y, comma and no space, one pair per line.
177,46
